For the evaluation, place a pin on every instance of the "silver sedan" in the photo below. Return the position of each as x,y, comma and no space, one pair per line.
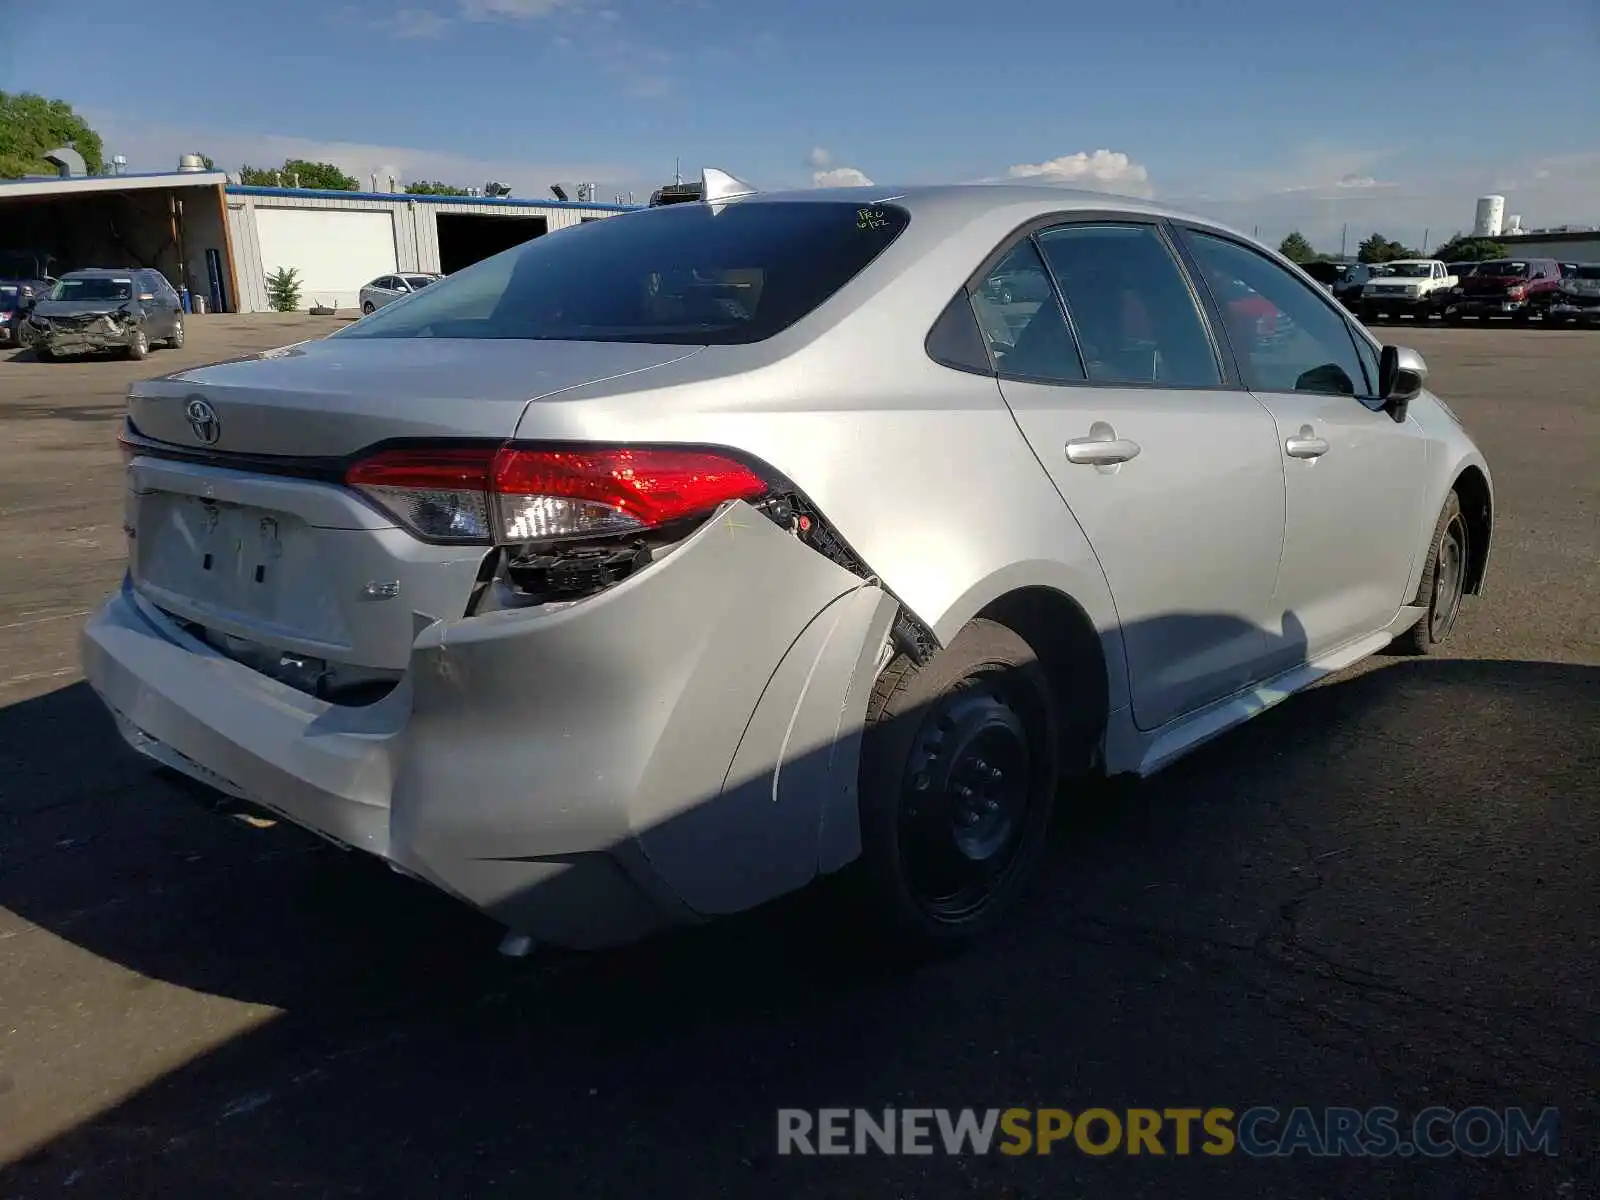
640,575
386,289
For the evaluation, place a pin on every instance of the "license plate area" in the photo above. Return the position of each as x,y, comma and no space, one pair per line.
248,566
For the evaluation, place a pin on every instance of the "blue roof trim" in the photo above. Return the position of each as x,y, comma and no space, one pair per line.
240,189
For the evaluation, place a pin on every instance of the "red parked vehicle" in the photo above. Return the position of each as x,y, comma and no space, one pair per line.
1504,287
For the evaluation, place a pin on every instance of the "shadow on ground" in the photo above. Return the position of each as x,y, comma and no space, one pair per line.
1381,892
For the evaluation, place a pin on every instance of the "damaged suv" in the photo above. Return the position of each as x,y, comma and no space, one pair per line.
643,574
96,311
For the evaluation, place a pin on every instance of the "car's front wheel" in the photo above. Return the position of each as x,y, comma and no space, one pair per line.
368,309
960,766
138,345
176,340
1444,578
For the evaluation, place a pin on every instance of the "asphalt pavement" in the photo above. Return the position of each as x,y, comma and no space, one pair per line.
1383,892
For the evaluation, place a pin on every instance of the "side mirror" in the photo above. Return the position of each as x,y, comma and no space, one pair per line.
1401,374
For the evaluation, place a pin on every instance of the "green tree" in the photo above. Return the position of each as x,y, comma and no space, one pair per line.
1379,249
211,164
298,173
283,290
31,126
1296,249
1466,248
432,187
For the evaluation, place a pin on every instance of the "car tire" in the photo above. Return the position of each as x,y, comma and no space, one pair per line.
43,353
1453,318
1443,582
368,308
959,772
139,347
176,340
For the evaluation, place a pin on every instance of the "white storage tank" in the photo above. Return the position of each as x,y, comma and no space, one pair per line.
1490,218
191,164
1513,226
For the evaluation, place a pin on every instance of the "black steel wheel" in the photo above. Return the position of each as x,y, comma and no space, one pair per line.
959,776
1444,578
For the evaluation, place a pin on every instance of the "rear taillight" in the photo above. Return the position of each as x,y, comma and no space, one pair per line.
517,494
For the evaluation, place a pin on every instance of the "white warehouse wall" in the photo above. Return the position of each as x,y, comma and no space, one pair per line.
267,231
335,251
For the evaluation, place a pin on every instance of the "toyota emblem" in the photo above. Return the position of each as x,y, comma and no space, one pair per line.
204,421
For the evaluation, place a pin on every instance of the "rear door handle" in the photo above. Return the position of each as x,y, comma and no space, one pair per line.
1306,444
1094,451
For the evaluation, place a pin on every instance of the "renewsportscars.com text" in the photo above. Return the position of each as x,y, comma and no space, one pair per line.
1258,1132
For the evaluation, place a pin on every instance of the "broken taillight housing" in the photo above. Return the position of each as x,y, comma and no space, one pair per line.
515,495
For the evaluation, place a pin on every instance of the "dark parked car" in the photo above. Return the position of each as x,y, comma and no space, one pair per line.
29,272
1504,287
1347,288
1577,299
13,311
99,310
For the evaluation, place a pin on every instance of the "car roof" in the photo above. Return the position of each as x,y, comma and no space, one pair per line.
974,198
952,205
103,272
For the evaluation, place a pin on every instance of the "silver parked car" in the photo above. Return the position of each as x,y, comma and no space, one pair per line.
386,289
646,573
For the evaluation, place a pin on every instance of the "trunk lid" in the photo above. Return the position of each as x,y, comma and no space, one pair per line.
289,572
332,398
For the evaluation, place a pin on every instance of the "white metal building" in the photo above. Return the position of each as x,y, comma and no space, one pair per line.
221,240
1580,245
338,241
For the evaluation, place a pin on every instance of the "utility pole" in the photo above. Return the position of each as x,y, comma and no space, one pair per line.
1344,235
1425,234
677,173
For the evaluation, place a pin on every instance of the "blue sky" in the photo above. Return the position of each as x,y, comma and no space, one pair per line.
1271,113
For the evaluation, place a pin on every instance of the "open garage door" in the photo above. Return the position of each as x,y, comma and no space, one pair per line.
336,251
176,228
466,238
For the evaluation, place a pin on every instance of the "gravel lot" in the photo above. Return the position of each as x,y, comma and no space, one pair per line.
1386,891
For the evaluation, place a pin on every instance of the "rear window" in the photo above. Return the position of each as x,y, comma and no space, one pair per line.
684,274
1503,269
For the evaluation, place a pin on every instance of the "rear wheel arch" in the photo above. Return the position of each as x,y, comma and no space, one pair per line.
1072,653
1477,508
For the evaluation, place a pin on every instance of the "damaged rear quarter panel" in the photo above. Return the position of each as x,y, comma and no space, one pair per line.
612,725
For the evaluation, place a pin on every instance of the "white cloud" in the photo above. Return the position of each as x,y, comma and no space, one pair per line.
1101,170
1340,195
841,177
818,159
416,24
514,10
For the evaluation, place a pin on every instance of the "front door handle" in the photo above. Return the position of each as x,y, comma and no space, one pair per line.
1102,448
1306,444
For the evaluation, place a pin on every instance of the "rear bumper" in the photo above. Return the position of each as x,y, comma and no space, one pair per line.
1574,312
669,750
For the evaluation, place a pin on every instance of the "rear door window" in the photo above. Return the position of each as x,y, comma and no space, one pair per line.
1135,316
1021,317
683,274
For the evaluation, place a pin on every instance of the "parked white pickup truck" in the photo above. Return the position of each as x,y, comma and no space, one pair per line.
1409,285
